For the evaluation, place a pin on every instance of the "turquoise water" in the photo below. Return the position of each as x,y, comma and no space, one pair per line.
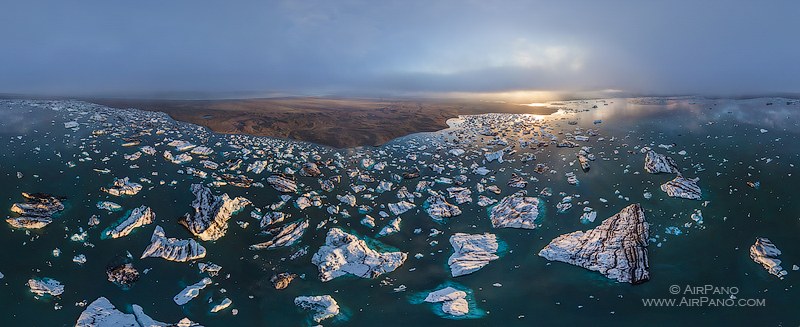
724,147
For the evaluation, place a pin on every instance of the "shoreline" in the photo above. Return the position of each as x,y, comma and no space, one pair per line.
337,123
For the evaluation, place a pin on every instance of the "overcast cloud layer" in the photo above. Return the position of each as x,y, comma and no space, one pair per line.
144,47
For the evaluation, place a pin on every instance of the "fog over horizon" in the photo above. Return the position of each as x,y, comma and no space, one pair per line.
398,48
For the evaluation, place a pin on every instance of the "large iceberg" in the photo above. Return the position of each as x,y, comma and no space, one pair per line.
282,183
36,211
766,253
438,208
123,186
655,163
190,292
344,253
138,217
617,248
323,306
454,302
101,313
471,252
209,221
45,286
515,211
286,236
173,249
681,187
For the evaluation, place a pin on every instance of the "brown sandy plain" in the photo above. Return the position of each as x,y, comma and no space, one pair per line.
340,123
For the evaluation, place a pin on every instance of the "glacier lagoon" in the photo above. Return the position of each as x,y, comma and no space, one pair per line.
743,152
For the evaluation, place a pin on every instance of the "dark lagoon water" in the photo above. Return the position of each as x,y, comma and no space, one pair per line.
725,143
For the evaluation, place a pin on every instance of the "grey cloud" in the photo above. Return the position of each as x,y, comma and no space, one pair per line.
384,47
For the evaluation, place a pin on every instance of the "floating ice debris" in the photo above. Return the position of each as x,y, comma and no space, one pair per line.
672,230
209,164
456,152
226,302
71,124
302,202
310,169
437,207
210,268
196,172
36,212
138,217
453,301
411,174
101,313
123,275
571,178
384,186
403,193
45,286
123,186
584,162
682,188
400,207
272,217
368,221
148,150
286,236
326,184
588,217
461,195
323,306
181,145
209,221
347,199
173,249
655,163
191,291
390,228
492,156
133,156
483,171
79,259
202,151
471,252
367,163
617,248
282,280
108,205
517,181
766,253
282,183
257,166
515,211
484,201
344,253
697,216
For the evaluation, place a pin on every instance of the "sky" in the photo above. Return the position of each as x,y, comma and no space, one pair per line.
198,48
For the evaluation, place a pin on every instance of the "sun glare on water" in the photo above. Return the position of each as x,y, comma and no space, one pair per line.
536,104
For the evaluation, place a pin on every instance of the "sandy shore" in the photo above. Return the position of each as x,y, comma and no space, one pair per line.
339,123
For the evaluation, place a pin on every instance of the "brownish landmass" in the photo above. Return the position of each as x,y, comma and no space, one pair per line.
340,123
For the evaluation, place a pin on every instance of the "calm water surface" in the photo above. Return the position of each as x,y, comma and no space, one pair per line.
723,143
